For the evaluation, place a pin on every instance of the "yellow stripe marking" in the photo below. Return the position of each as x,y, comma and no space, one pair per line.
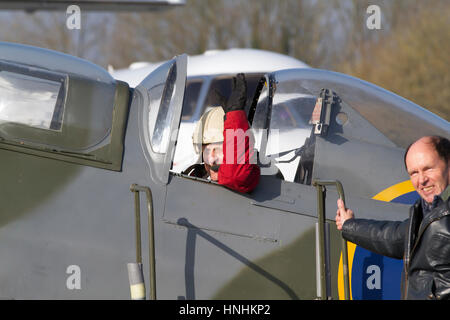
395,191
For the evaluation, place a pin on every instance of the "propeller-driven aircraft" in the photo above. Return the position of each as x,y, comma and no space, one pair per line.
90,187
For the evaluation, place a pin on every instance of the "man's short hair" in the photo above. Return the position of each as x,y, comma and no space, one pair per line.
440,144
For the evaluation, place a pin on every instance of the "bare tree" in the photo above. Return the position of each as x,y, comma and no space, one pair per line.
49,30
299,28
409,55
413,59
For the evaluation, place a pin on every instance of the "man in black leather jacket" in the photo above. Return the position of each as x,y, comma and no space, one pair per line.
423,240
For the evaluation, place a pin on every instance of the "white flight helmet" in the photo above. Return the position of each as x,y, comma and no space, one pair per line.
209,129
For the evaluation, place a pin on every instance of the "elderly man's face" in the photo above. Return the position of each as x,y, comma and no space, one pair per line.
429,173
213,155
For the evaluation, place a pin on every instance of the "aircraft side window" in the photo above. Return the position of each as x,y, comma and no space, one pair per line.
31,100
161,113
61,107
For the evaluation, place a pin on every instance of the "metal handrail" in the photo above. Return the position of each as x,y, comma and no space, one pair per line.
320,186
151,233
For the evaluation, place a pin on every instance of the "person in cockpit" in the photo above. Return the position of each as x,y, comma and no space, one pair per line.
223,139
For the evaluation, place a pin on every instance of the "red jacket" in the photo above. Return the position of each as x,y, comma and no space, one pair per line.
238,172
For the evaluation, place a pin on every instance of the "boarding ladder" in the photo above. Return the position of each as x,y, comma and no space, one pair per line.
322,252
135,269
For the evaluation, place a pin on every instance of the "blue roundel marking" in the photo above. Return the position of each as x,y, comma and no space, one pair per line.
407,198
376,277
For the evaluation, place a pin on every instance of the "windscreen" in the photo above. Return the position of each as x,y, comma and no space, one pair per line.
292,107
398,119
281,125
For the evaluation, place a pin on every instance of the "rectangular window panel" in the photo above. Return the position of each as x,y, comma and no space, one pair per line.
161,132
31,101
